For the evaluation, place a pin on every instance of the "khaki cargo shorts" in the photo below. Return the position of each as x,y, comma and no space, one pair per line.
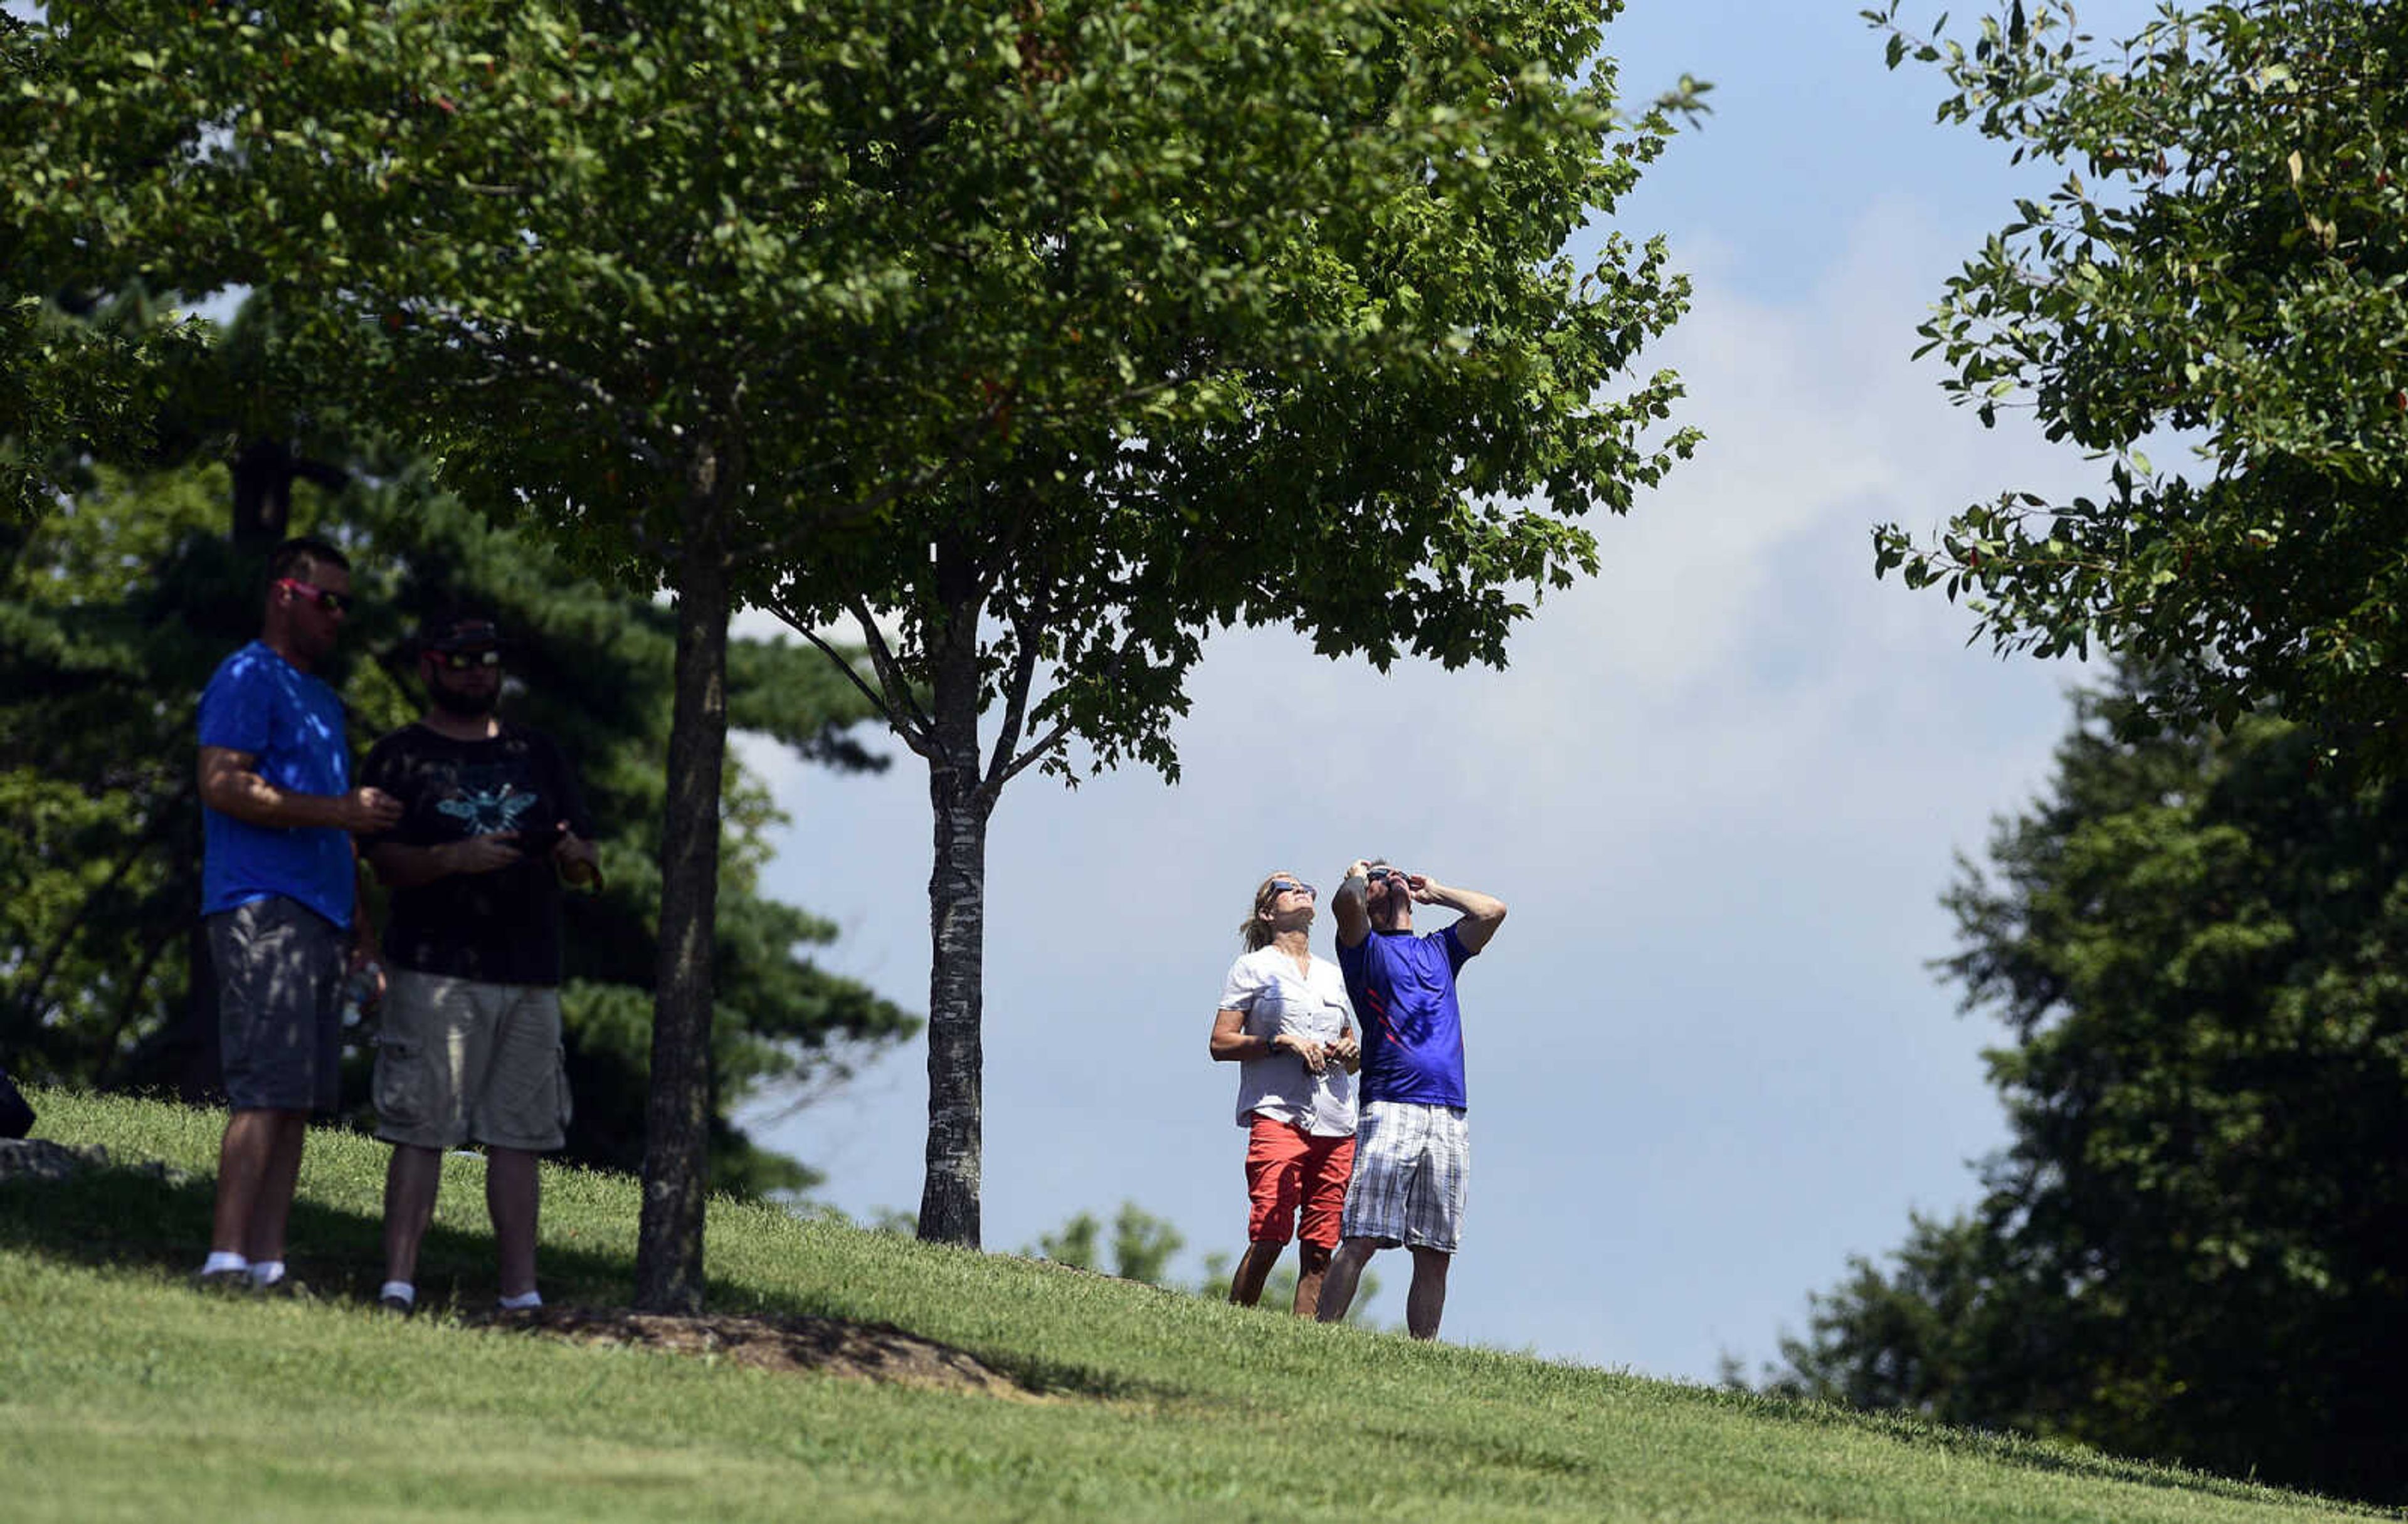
460,1060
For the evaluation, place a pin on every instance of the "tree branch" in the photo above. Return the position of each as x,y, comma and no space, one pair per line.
912,727
901,709
1053,738
894,488
1027,625
109,1057
508,362
38,981
1030,757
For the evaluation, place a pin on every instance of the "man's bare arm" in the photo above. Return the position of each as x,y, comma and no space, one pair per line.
1347,904
398,866
1481,912
230,785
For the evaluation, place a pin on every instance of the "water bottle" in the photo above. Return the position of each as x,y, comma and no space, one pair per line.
361,991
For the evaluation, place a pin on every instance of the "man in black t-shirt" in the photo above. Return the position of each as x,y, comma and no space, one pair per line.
469,1044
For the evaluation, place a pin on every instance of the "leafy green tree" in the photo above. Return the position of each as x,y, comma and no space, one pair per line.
2192,1247
1142,1245
1376,417
114,608
2222,265
696,286
79,366
1937,1332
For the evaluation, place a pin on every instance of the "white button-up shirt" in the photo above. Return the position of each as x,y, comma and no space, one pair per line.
1277,997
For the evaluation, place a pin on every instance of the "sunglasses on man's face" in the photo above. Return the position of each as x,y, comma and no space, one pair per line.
1289,886
1396,873
466,660
331,602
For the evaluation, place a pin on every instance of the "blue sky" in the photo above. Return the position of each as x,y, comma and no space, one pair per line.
1721,786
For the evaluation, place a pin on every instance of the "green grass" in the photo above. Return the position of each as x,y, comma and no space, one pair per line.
125,1395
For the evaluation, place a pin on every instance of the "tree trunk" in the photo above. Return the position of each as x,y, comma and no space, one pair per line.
199,1063
264,473
263,493
668,1247
949,1200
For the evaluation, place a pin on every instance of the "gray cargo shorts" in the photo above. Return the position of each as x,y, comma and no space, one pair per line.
459,1058
279,971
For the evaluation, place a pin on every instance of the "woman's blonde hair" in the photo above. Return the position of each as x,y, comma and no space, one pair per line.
1254,931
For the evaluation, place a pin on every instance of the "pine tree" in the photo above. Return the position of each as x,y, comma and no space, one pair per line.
114,608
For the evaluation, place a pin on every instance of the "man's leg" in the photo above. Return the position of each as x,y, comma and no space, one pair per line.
424,1036
411,1181
1426,1302
1337,1283
279,965
272,1208
513,1195
1254,1268
1313,1265
245,1155
518,1107
276,964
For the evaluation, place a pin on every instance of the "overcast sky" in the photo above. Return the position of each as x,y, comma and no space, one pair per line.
1720,786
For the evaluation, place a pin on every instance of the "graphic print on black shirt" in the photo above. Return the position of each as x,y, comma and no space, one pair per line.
487,799
501,927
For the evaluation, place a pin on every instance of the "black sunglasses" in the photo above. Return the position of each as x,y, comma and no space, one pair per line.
1388,873
1289,886
467,661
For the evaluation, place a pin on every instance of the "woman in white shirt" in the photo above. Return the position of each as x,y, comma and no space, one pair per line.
1285,1023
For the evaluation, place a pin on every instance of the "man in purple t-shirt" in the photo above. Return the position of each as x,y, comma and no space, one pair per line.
1413,1150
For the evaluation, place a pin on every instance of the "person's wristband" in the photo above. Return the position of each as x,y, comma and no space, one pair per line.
1270,1046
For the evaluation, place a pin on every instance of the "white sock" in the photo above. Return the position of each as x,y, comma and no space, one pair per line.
223,1260
400,1289
521,1302
266,1272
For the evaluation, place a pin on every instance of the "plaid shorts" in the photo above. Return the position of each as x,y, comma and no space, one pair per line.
1412,1164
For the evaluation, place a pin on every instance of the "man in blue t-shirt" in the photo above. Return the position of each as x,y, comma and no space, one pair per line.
1413,1150
276,890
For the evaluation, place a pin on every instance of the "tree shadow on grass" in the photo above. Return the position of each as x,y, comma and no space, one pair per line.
148,1218
2027,1453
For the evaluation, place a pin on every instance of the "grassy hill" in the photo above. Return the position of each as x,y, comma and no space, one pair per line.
125,1395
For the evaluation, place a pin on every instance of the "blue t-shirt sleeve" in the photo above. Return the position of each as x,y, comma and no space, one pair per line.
1456,953
236,710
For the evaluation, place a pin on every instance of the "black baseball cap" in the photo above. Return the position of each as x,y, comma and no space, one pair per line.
456,630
